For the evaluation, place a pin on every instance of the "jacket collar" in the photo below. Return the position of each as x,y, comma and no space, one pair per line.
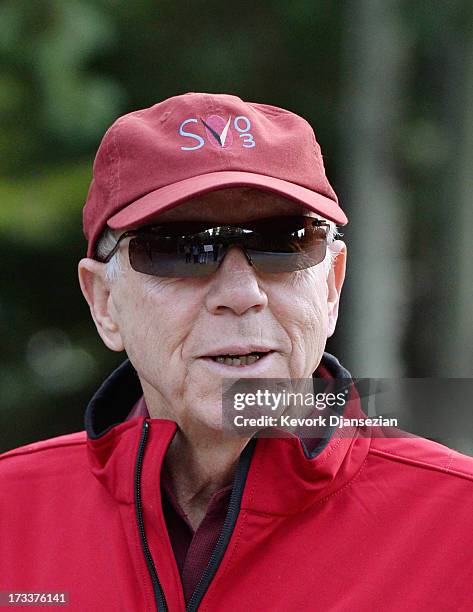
283,476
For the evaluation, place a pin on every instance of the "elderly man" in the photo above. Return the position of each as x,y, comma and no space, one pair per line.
157,506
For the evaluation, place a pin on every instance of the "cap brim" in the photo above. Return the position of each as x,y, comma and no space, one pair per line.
144,210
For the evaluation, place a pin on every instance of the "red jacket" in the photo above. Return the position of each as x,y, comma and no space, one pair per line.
367,524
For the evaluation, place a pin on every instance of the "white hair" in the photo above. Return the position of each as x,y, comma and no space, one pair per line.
105,244
115,267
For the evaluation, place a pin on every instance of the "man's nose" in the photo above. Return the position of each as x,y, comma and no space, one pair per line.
235,285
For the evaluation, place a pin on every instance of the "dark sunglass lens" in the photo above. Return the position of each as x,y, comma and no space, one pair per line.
171,257
272,262
277,244
286,244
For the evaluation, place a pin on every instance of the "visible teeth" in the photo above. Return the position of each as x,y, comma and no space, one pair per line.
240,360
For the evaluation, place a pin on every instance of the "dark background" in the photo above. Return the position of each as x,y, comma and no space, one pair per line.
388,88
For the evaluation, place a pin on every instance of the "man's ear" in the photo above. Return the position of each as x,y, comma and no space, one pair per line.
335,279
96,291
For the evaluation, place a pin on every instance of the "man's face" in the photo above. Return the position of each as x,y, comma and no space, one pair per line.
168,325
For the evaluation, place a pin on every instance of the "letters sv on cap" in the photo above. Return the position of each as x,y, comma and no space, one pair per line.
219,133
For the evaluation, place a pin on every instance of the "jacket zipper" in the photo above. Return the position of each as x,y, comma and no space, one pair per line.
158,591
227,529
223,539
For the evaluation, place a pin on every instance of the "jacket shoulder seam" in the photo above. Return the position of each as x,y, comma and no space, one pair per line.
445,469
30,451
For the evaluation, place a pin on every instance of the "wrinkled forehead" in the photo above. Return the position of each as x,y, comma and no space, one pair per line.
233,205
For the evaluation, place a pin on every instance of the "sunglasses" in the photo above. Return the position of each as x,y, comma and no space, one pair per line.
196,248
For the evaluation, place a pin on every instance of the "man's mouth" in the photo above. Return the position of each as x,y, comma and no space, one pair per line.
238,360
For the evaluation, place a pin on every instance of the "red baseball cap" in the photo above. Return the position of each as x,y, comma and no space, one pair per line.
154,159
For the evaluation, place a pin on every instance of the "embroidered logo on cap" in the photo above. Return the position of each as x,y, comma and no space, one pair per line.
213,127
218,132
